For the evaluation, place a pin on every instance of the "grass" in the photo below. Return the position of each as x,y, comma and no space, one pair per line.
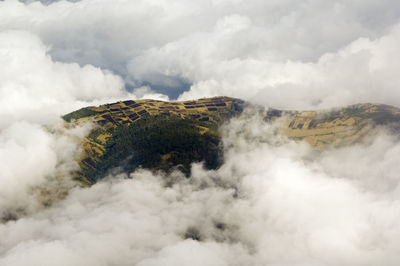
84,112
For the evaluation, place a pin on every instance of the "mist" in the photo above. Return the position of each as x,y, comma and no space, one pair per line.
274,201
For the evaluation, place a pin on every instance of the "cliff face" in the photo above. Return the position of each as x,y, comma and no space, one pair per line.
164,136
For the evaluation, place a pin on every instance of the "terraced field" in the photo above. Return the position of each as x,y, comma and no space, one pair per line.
343,126
204,115
171,135
126,112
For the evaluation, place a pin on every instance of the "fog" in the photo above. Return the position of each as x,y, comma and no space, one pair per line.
274,201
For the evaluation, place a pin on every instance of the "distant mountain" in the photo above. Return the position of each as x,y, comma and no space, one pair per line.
340,126
163,136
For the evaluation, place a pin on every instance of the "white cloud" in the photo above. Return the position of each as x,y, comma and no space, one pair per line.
290,207
171,44
34,161
32,83
35,91
363,71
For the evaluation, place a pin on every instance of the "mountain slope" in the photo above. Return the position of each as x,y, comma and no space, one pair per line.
341,126
164,136
153,134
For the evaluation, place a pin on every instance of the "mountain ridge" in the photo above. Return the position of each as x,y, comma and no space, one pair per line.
172,135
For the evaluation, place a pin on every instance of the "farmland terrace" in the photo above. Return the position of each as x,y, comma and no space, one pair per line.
157,126
167,136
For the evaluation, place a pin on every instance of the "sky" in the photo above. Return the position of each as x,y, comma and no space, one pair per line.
273,202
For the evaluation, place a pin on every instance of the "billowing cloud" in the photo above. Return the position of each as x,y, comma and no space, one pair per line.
32,83
289,207
35,162
251,49
363,71
35,91
360,72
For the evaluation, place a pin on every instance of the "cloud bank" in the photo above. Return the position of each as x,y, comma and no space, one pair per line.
288,208
271,52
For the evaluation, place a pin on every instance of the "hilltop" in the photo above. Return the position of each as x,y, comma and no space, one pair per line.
163,136
340,126
153,134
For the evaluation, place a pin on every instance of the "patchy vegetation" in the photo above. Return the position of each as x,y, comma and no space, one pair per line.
163,136
84,112
152,134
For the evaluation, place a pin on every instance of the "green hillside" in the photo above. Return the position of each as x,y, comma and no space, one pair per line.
164,136
156,135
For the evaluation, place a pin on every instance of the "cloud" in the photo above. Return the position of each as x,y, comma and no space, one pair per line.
290,207
36,164
35,90
230,47
35,146
32,83
359,72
